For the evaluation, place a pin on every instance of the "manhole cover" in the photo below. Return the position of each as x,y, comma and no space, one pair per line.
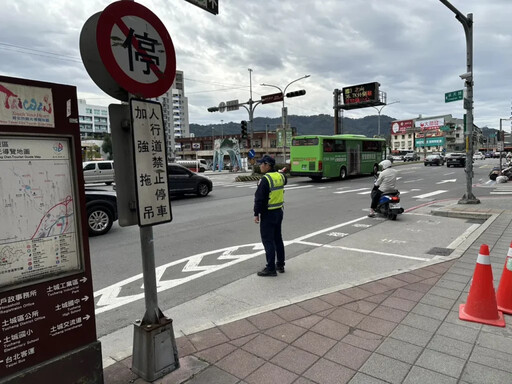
440,251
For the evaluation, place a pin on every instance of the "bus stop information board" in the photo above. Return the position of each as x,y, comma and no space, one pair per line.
46,305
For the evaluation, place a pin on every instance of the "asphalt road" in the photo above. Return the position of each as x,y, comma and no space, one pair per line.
199,251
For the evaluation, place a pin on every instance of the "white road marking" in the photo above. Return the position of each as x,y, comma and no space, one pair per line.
447,181
412,181
430,194
352,190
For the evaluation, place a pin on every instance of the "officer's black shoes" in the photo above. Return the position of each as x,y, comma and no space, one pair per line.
280,269
267,272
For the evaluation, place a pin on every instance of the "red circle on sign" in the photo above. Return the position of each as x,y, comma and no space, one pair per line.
113,16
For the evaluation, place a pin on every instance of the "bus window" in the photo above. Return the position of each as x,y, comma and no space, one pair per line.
328,145
372,146
339,146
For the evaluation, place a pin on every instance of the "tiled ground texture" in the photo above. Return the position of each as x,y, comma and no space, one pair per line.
401,329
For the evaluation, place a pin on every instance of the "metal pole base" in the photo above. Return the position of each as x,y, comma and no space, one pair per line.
154,349
468,199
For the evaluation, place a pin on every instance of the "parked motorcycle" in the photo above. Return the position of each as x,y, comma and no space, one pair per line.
389,204
495,172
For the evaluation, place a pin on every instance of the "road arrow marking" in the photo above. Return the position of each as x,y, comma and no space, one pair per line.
447,181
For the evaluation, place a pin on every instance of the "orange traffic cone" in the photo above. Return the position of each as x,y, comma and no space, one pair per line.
481,305
504,295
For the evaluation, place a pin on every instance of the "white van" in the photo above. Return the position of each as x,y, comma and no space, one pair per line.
193,164
98,171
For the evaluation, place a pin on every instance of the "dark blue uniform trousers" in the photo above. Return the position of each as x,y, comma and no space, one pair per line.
272,238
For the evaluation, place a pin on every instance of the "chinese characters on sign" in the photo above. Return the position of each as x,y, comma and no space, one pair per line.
150,155
429,125
400,127
363,94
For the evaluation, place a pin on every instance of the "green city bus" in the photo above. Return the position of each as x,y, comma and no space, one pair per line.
336,156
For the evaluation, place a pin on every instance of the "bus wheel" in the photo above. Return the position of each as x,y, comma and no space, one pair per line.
343,173
375,169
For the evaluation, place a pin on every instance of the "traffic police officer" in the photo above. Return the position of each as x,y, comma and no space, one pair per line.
268,211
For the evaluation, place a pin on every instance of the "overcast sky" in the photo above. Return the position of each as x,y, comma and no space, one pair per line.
416,50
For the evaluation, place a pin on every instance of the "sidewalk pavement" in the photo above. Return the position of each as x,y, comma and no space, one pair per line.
399,329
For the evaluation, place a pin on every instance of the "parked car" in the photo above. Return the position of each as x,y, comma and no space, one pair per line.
411,156
183,181
101,207
456,159
478,156
98,171
433,160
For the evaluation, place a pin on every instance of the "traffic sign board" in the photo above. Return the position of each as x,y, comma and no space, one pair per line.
232,105
211,6
453,96
266,99
136,49
222,106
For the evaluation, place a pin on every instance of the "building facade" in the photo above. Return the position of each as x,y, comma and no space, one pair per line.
175,110
93,120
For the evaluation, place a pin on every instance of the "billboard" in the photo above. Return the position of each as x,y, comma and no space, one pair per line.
361,96
401,127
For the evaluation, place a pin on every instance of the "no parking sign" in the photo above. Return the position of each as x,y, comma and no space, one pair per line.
126,49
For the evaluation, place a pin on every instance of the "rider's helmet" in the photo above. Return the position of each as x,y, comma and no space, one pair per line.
384,164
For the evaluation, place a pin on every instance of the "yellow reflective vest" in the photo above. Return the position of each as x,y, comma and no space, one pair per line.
276,183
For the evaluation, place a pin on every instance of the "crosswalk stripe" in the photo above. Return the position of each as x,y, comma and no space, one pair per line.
352,190
430,194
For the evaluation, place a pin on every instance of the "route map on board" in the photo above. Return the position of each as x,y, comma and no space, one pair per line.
38,230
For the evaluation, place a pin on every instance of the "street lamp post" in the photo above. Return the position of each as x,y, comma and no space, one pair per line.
379,110
284,112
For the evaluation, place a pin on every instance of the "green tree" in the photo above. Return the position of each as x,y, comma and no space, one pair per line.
106,147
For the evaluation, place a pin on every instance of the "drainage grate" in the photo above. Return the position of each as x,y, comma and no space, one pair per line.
440,251
475,221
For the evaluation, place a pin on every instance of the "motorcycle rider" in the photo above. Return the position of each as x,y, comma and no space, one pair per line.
385,183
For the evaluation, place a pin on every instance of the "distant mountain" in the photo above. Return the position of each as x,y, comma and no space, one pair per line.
305,125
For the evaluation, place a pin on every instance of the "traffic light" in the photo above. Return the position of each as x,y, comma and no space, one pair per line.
213,109
243,128
296,93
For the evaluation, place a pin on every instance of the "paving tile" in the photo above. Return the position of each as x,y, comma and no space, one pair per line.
420,287
207,339
326,372
421,322
315,305
441,362
375,287
458,332
492,358
445,292
243,340
331,329
477,373
430,311
425,273
348,355
266,320
453,318
314,343
185,347
346,316
419,375
388,313
363,339
270,374
238,329
264,346
214,354
377,299
361,306
398,303
240,363
336,298
213,375
287,333
386,368
303,380
189,367
392,282
455,285
295,359
118,373
400,350
437,301
356,293
409,277
492,341
291,312
307,322
453,277
361,378
408,294
450,346
378,326
411,335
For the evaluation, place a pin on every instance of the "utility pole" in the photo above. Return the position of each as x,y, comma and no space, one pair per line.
467,23
336,106
379,111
